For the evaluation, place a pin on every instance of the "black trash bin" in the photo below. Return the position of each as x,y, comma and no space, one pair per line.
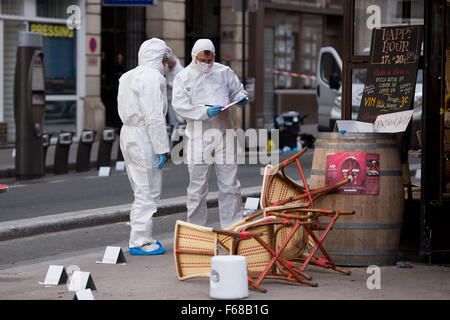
61,163
288,125
105,147
84,150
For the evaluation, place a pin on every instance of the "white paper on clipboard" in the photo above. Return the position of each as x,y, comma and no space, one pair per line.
235,102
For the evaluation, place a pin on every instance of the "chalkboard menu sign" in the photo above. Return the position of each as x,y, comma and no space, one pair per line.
392,71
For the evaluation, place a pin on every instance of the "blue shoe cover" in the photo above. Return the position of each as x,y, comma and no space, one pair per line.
140,252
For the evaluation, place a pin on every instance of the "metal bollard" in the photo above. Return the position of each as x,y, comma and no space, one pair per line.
45,144
119,151
84,150
61,163
104,149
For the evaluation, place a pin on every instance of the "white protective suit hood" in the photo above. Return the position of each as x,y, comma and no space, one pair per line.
152,52
199,46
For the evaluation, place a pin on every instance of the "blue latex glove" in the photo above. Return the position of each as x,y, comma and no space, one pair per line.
162,161
213,111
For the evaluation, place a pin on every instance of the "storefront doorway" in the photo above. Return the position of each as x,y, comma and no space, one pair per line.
426,216
123,31
202,21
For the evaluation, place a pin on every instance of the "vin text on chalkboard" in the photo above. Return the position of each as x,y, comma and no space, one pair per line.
392,71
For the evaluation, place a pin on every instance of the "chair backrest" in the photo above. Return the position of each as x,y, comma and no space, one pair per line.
257,256
277,186
225,241
194,246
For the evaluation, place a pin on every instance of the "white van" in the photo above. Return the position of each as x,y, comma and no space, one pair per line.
329,91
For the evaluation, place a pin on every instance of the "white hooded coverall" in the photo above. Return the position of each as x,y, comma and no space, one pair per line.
142,104
174,119
193,88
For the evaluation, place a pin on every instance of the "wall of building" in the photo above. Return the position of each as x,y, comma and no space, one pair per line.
231,49
167,21
94,109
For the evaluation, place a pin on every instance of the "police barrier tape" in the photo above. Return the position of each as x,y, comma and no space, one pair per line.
292,74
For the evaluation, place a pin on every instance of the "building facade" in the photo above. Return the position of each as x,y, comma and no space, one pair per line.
82,65
287,36
64,55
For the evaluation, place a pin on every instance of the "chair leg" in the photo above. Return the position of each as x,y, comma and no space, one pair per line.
252,284
276,257
327,262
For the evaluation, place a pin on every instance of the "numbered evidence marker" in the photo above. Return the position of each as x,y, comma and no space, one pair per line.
251,205
113,255
104,171
81,280
84,295
120,165
56,275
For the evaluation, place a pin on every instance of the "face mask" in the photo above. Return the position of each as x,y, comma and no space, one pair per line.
204,67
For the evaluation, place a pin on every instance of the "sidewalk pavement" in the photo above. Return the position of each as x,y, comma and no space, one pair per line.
155,278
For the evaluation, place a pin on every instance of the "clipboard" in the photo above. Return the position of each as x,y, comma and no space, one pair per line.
228,106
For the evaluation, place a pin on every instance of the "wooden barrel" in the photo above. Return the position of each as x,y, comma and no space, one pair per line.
372,235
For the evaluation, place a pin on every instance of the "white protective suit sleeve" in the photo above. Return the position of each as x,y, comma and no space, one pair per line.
152,101
235,86
182,104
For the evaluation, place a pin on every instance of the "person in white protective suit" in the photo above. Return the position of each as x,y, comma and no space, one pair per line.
175,67
203,83
142,104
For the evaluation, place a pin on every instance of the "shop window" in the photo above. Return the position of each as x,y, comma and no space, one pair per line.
123,32
371,14
59,45
60,115
310,43
11,7
203,21
329,66
53,9
284,54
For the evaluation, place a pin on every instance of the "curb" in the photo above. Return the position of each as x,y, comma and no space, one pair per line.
15,229
49,169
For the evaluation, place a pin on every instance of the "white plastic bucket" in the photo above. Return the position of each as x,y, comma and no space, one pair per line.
228,277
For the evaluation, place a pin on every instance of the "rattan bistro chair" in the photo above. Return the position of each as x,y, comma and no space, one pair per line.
281,195
195,245
263,260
